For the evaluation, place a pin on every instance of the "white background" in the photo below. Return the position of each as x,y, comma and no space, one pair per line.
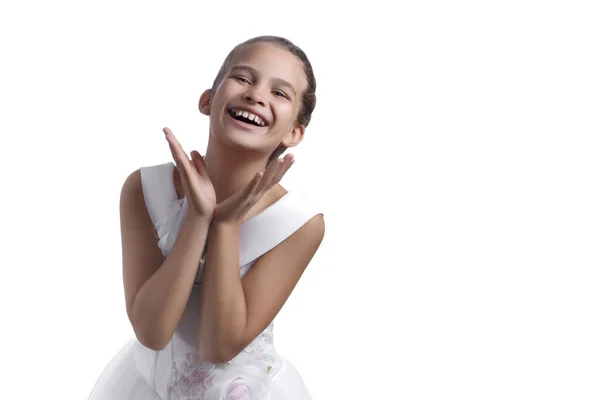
454,151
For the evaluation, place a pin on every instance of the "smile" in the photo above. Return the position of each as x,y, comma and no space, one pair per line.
247,117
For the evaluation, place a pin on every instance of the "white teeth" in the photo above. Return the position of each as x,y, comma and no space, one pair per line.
250,116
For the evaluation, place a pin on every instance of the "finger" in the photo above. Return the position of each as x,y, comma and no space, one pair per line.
252,185
199,163
171,139
174,145
287,164
249,198
270,173
179,156
280,167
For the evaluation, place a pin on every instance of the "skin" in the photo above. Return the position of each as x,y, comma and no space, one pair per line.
224,189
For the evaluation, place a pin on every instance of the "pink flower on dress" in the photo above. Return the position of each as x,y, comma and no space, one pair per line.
238,390
239,379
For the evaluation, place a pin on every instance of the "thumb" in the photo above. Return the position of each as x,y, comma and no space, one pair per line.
199,162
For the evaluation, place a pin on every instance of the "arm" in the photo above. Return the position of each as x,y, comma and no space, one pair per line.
234,310
156,291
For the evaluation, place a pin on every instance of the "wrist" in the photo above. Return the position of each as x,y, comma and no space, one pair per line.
198,221
225,226
225,220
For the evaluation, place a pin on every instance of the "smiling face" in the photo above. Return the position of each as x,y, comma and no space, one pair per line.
256,104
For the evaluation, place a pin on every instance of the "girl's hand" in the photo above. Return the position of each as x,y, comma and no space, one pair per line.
198,188
234,208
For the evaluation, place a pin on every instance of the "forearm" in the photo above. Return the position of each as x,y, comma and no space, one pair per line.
160,302
223,308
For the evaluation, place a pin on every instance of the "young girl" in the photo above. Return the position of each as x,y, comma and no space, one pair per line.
213,246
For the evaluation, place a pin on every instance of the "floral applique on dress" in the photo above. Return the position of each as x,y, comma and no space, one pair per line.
190,379
247,376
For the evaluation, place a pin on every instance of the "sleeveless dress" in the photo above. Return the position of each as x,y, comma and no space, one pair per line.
177,372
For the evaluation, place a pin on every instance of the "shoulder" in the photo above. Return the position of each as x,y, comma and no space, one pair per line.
307,239
132,204
310,224
137,184
137,181
314,228
303,230
304,243
132,185
305,216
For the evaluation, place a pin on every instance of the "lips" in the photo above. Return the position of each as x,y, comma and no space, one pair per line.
248,115
246,126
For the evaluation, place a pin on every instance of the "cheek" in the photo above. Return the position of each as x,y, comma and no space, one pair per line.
288,113
217,105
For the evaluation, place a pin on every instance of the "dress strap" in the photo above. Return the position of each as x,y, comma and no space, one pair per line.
258,235
157,185
276,223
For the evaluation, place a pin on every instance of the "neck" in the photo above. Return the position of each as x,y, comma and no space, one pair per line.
231,168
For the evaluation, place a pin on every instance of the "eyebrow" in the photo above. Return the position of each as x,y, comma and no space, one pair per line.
252,70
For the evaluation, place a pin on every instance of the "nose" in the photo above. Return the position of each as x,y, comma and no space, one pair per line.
253,96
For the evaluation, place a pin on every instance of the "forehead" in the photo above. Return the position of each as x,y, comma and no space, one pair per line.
272,61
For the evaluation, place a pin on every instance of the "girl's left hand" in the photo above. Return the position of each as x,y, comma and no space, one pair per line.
234,208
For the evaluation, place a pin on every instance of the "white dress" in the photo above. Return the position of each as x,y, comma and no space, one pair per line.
177,373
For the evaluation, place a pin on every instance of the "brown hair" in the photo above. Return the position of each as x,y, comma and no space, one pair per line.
309,97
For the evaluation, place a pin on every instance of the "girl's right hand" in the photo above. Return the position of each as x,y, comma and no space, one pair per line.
198,188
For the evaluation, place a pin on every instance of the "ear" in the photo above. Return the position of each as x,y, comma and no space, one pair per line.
205,101
295,136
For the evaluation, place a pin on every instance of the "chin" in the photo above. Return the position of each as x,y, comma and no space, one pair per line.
239,134
240,139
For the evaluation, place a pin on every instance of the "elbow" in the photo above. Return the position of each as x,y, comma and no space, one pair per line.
219,347
152,343
149,336
217,354
214,358
152,339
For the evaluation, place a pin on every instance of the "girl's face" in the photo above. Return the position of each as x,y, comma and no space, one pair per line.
257,103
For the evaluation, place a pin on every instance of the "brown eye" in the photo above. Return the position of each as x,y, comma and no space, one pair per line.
242,79
280,94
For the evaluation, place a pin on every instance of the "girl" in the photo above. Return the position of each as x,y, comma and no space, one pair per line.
213,246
